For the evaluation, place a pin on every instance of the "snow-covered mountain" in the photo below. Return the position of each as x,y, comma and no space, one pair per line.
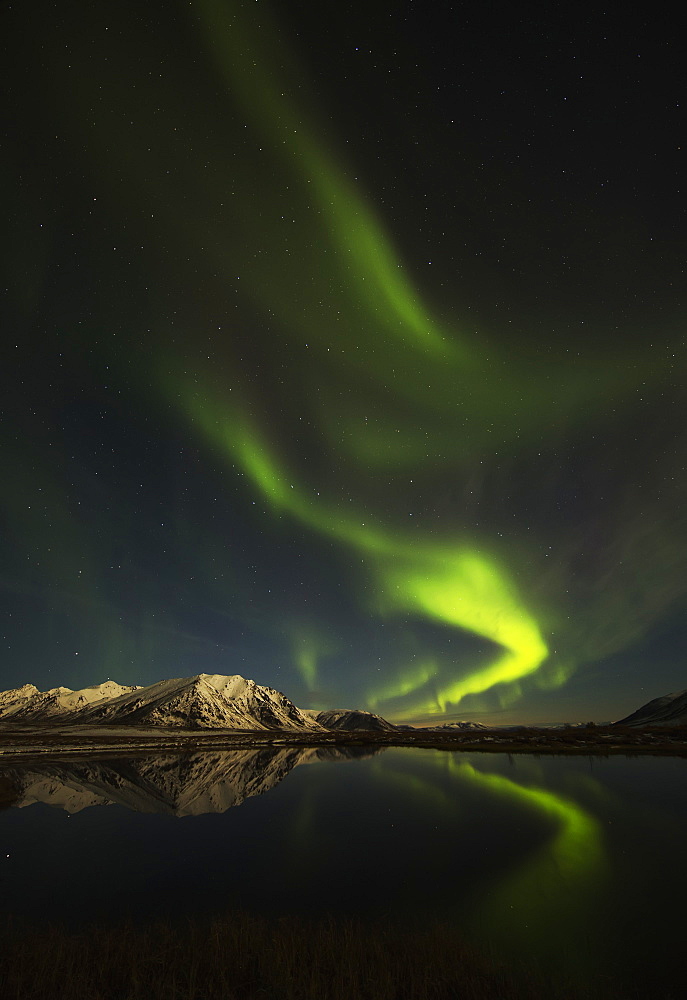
27,703
350,719
206,701
172,784
669,710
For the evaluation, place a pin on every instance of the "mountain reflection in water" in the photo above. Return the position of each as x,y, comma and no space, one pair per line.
556,872
170,784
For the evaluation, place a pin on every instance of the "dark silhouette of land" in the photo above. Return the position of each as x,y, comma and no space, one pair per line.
32,741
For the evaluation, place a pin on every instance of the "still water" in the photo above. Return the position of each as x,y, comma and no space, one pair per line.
575,863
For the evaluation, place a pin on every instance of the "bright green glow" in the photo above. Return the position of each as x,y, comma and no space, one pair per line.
465,588
372,268
576,848
547,888
426,793
561,875
384,382
554,675
308,647
411,686
336,282
359,234
306,662
452,583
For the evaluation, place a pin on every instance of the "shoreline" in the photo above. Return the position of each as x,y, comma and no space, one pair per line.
35,741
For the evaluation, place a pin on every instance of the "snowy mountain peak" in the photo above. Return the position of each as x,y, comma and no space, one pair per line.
23,693
204,701
29,704
231,685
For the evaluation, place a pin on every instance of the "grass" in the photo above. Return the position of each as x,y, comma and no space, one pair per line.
242,957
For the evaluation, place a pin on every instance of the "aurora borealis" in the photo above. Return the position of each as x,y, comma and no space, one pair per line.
345,350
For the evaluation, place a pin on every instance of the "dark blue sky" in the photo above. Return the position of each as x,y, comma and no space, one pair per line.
344,349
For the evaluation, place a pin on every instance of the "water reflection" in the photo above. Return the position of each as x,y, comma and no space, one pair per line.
171,784
541,891
561,858
560,882
548,878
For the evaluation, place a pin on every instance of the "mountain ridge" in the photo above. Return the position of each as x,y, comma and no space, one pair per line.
666,710
350,719
200,702
27,703
203,701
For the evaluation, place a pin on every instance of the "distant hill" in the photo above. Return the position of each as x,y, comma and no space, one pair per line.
455,726
669,710
350,719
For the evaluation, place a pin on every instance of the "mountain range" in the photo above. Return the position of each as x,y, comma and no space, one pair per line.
205,701
219,701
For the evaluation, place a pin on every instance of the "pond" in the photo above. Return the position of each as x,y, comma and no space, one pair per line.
574,863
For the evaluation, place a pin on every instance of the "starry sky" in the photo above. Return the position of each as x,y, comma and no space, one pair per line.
344,349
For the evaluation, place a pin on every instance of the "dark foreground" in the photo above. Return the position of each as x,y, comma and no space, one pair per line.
34,741
242,957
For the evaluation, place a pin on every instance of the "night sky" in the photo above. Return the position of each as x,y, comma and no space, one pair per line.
344,349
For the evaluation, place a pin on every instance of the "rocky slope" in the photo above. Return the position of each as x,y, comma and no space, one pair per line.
668,710
206,701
